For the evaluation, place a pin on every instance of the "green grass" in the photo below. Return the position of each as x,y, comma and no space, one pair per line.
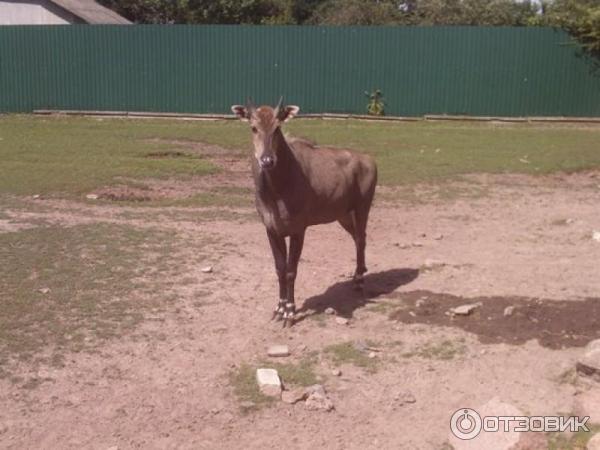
347,353
445,350
245,387
67,288
65,156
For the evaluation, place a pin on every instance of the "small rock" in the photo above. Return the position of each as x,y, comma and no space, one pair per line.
92,197
329,310
594,442
336,372
207,269
569,221
372,355
596,236
278,351
247,404
360,345
294,396
508,311
438,237
465,310
268,382
317,399
114,447
44,290
341,321
417,244
412,314
423,235
433,263
589,363
403,398
35,196
419,303
593,345
302,348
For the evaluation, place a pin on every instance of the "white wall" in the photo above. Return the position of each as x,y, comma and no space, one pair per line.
29,13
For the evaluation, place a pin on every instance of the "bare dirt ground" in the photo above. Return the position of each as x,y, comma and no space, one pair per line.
527,243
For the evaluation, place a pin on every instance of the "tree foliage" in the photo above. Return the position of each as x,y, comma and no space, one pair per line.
581,18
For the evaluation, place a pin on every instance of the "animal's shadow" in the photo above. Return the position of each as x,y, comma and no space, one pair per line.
345,298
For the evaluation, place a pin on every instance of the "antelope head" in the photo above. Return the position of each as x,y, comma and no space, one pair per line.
264,122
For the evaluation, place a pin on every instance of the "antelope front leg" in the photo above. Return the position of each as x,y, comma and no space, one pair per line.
279,250
296,244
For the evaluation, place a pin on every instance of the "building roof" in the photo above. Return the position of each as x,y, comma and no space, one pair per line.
91,12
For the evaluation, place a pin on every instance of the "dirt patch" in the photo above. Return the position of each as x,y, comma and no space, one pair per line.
164,382
555,324
122,193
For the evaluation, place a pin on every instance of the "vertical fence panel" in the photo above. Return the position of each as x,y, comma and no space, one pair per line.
200,69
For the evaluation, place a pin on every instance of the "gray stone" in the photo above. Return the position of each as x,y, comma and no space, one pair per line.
420,303
44,290
433,264
336,372
438,237
278,351
268,382
465,310
403,398
341,321
317,399
207,269
508,311
92,197
589,363
294,396
593,345
329,310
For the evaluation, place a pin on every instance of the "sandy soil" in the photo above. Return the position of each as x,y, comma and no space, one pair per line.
526,239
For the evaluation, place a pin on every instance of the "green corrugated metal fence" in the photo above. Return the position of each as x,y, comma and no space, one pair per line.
204,69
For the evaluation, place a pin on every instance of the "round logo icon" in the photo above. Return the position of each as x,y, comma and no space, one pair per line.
465,424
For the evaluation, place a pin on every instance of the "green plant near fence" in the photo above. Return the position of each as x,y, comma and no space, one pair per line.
204,69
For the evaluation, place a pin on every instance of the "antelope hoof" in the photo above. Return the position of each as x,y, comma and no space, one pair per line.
279,312
289,315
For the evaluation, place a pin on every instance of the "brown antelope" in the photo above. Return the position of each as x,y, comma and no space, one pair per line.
298,185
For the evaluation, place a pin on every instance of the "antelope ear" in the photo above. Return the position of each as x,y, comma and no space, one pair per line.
241,112
288,113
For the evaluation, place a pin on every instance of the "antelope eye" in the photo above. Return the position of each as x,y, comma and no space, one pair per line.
254,130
